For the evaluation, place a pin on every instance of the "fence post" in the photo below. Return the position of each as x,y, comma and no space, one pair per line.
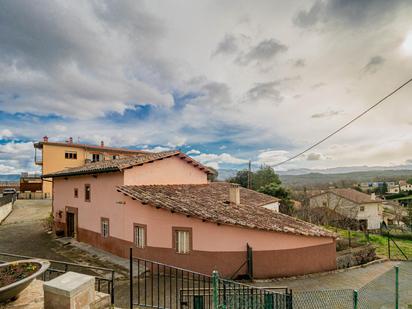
112,288
396,287
355,299
131,277
389,246
215,282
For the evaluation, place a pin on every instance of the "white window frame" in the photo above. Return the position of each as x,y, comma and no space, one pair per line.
182,239
105,227
139,236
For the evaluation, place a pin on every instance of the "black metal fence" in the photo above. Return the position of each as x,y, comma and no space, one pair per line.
157,285
104,277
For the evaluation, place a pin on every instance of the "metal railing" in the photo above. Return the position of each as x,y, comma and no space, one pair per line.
157,285
57,268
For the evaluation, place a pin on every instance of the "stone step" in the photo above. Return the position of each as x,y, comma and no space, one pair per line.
101,301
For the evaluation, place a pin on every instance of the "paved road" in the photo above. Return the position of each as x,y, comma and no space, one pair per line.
23,232
351,279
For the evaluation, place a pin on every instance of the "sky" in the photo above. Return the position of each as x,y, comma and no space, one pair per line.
225,81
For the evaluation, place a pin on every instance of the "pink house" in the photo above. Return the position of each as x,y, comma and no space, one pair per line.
162,205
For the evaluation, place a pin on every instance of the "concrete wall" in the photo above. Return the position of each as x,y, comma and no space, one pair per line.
5,210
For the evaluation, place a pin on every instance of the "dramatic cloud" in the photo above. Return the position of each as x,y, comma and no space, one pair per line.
262,52
83,63
374,64
352,13
265,91
228,45
156,75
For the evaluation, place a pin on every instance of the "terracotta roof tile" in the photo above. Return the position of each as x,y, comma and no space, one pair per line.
352,195
117,165
209,202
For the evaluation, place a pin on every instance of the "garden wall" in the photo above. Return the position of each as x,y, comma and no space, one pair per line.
355,256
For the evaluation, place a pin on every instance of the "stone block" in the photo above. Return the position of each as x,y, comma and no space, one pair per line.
69,291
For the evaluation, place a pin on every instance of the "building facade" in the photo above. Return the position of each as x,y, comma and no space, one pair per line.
164,207
56,156
367,209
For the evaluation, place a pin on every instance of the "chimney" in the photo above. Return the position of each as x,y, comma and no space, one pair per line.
101,144
70,140
45,138
234,194
373,196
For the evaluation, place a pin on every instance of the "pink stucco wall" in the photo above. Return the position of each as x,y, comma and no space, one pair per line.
123,212
165,172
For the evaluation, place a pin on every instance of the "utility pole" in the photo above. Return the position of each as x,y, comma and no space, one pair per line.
249,175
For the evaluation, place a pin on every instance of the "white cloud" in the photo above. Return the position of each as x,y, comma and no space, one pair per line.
272,157
5,133
213,160
193,151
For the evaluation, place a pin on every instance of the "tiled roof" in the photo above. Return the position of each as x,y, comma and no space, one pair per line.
352,195
117,165
91,147
209,202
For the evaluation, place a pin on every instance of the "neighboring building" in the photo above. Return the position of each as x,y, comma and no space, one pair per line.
30,186
367,209
405,186
393,189
163,206
56,156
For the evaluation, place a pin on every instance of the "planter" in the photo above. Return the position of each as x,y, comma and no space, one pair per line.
20,274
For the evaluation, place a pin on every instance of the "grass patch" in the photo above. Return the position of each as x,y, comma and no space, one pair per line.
379,242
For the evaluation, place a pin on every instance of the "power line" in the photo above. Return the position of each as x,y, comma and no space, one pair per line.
345,125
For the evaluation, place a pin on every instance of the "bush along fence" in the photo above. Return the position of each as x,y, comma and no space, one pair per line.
157,285
393,289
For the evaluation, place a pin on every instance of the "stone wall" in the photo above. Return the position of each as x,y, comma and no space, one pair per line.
355,256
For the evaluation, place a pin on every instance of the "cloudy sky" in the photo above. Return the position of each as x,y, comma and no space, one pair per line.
226,81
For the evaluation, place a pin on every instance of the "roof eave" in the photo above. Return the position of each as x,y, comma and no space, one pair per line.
82,173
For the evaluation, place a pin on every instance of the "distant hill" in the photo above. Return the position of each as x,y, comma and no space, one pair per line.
9,177
343,179
325,178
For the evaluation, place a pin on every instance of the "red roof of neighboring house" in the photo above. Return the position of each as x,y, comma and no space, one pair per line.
351,195
117,165
91,147
209,202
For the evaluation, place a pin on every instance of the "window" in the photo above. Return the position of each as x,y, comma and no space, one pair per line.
87,193
96,157
182,241
362,208
139,235
76,192
105,227
114,157
70,155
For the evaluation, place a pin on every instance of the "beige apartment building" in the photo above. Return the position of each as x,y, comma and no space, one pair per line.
56,156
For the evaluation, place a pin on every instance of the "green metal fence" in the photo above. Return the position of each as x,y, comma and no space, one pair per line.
393,289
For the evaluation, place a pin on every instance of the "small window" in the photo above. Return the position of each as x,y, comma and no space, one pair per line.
87,193
182,239
96,157
114,157
139,236
70,155
362,208
105,227
76,192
